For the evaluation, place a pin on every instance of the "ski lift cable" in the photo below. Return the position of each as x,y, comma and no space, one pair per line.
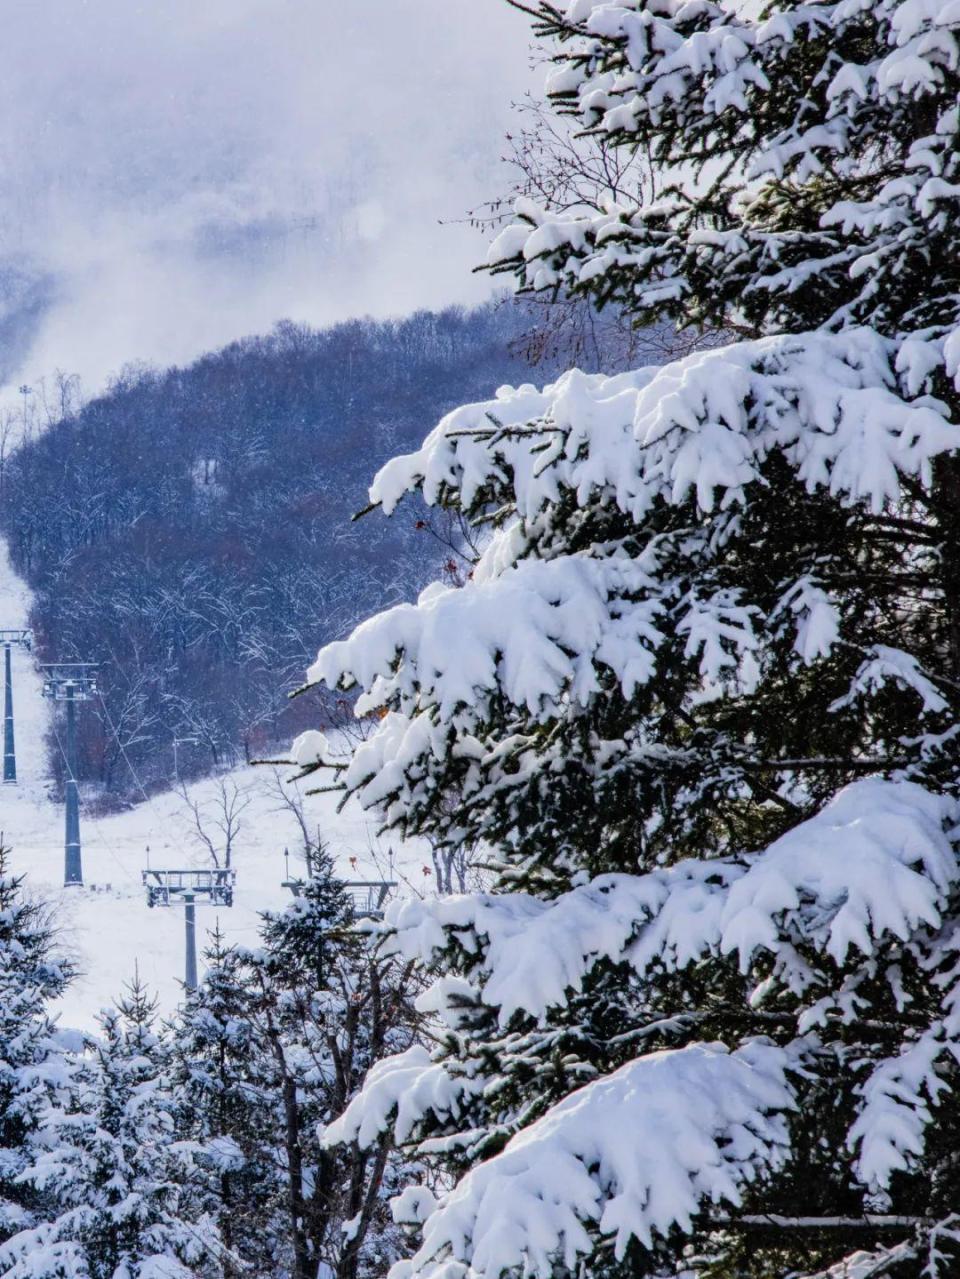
149,799
123,750
129,762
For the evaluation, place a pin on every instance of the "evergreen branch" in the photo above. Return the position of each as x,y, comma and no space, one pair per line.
853,765
358,515
869,1221
900,522
490,432
544,11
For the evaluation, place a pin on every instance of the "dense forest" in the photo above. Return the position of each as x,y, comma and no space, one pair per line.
190,528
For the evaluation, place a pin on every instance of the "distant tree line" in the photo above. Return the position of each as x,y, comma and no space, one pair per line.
191,529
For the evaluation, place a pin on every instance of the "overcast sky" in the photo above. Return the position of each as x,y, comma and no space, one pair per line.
181,172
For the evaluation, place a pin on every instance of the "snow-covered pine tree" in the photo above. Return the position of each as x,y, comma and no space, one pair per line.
34,1063
272,1045
700,694
324,1012
224,1105
121,1190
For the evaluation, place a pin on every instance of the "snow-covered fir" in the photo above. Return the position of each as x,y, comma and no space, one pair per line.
35,1073
698,697
118,1188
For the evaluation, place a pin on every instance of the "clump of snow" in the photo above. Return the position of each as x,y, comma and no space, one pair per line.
397,1093
892,665
876,863
633,1155
699,425
897,1099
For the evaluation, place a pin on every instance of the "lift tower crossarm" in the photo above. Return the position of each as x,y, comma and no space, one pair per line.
189,884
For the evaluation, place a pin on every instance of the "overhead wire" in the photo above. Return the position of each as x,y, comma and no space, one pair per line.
149,799
123,751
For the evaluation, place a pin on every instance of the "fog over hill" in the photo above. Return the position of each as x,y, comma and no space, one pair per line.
176,175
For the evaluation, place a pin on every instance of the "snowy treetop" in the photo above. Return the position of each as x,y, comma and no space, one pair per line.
668,46
780,89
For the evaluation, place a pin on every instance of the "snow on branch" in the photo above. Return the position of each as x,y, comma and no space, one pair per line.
631,1156
699,426
535,632
646,1149
816,618
532,953
885,665
875,864
869,1265
397,1093
542,625
721,58
898,1095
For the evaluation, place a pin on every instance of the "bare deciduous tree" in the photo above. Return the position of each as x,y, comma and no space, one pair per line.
565,171
455,869
217,823
290,800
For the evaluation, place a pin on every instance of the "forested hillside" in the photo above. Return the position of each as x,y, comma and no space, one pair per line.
191,528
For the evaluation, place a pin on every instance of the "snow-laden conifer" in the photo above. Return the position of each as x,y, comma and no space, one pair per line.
324,1012
270,1047
223,1105
34,1052
699,697
120,1189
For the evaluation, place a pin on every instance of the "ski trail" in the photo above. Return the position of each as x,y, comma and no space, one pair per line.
107,927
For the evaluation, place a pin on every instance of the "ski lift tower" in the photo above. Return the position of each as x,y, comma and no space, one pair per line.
367,896
212,884
11,637
71,682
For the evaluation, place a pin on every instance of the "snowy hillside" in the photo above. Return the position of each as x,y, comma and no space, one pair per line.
107,922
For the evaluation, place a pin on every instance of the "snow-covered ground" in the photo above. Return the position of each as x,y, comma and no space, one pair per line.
107,924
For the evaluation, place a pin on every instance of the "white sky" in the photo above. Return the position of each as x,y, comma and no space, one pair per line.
183,172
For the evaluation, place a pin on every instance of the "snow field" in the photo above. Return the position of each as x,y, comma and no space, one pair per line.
107,926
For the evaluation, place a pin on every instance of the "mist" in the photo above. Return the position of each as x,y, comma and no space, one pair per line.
181,174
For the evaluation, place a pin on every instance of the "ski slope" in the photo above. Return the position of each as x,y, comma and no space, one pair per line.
106,924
